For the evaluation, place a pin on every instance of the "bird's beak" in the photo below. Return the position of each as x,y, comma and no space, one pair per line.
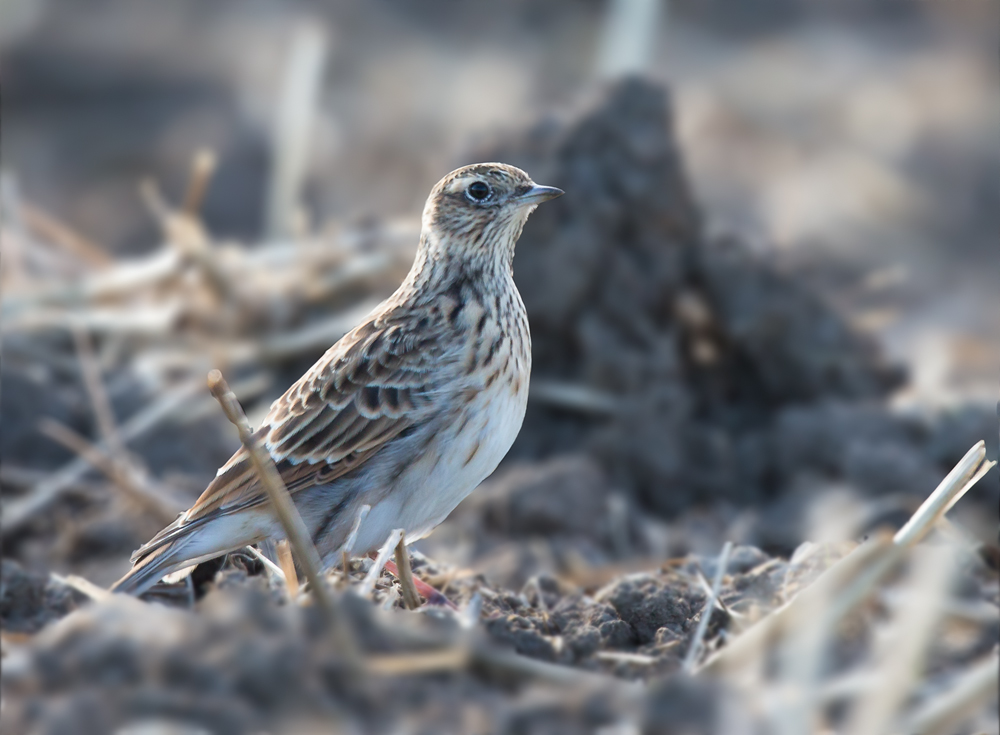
538,194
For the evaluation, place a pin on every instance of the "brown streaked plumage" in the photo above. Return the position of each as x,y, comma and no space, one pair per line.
407,413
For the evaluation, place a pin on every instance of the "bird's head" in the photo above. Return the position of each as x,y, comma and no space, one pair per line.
477,212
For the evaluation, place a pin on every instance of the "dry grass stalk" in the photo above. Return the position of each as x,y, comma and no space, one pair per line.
948,492
190,297
21,510
59,234
99,401
943,713
292,523
901,650
123,474
368,583
271,567
628,37
83,586
186,234
506,662
411,598
142,322
450,658
623,657
801,659
284,552
202,168
466,650
125,279
706,613
574,397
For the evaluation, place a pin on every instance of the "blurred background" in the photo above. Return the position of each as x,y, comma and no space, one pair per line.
764,312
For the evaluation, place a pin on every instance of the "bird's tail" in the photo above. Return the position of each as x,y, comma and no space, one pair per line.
181,545
149,570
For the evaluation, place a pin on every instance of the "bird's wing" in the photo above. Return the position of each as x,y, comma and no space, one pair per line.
371,386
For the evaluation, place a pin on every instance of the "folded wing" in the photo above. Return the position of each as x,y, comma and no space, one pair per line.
364,392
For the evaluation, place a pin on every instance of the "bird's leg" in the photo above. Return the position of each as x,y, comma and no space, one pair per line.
410,596
430,594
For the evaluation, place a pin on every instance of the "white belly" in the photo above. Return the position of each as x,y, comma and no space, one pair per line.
453,466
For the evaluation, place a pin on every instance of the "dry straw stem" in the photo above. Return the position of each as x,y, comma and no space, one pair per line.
284,552
848,582
368,583
800,668
186,234
56,232
122,473
506,662
706,612
202,168
268,564
18,512
99,400
451,658
949,492
295,529
142,275
83,586
115,462
471,651
900,652
411,598
942,714
574,397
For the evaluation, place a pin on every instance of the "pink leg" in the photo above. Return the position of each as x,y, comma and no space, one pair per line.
430,594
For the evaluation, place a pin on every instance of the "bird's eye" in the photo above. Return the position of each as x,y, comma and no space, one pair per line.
478,191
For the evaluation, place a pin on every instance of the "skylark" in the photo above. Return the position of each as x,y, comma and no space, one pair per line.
407,413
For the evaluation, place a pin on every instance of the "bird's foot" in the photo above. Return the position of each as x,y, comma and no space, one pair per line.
431,595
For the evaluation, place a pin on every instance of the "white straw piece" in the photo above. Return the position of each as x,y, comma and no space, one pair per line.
901,652
951,489
708,609
83,586
368,583
268,564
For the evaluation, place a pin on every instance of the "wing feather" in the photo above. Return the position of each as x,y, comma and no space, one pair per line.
364,392
373,385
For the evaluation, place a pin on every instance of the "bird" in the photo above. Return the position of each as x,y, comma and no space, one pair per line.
406,414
